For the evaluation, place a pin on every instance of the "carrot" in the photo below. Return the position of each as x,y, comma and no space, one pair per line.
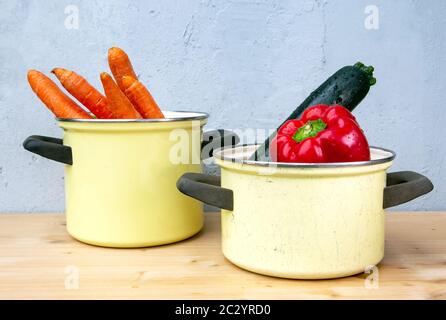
141,98
57,101
84,92
120,65
118,103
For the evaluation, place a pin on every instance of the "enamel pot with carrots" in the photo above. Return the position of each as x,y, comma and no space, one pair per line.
317,210
120,177
122,157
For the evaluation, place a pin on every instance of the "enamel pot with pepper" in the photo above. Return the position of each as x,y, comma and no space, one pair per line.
303,221
120,176
306,220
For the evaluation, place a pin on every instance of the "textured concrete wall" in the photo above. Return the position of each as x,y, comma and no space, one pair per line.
248,63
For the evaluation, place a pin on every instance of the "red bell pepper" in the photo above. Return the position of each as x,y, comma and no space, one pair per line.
323,134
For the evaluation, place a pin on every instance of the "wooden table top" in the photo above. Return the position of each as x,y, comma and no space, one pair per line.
39,260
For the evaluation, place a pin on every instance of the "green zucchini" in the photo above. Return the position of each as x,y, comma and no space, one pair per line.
347,87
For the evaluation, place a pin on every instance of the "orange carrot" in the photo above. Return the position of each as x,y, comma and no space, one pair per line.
118,103
120,65
84,92
57,101
141,98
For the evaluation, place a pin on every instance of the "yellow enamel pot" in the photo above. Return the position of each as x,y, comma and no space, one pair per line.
120,177
303,221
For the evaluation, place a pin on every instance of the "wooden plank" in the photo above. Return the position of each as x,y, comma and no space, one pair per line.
36,252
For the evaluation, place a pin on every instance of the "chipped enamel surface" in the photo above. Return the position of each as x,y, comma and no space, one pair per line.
306,223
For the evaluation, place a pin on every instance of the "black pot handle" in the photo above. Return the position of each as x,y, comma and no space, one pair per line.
206,188
216,139
404,186
50,148
401,187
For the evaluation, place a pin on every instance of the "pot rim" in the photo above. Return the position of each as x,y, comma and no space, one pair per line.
193,115
219,154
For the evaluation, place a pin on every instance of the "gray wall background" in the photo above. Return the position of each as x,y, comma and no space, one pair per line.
248,63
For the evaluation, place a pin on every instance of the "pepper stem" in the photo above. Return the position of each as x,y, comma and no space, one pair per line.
309,129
